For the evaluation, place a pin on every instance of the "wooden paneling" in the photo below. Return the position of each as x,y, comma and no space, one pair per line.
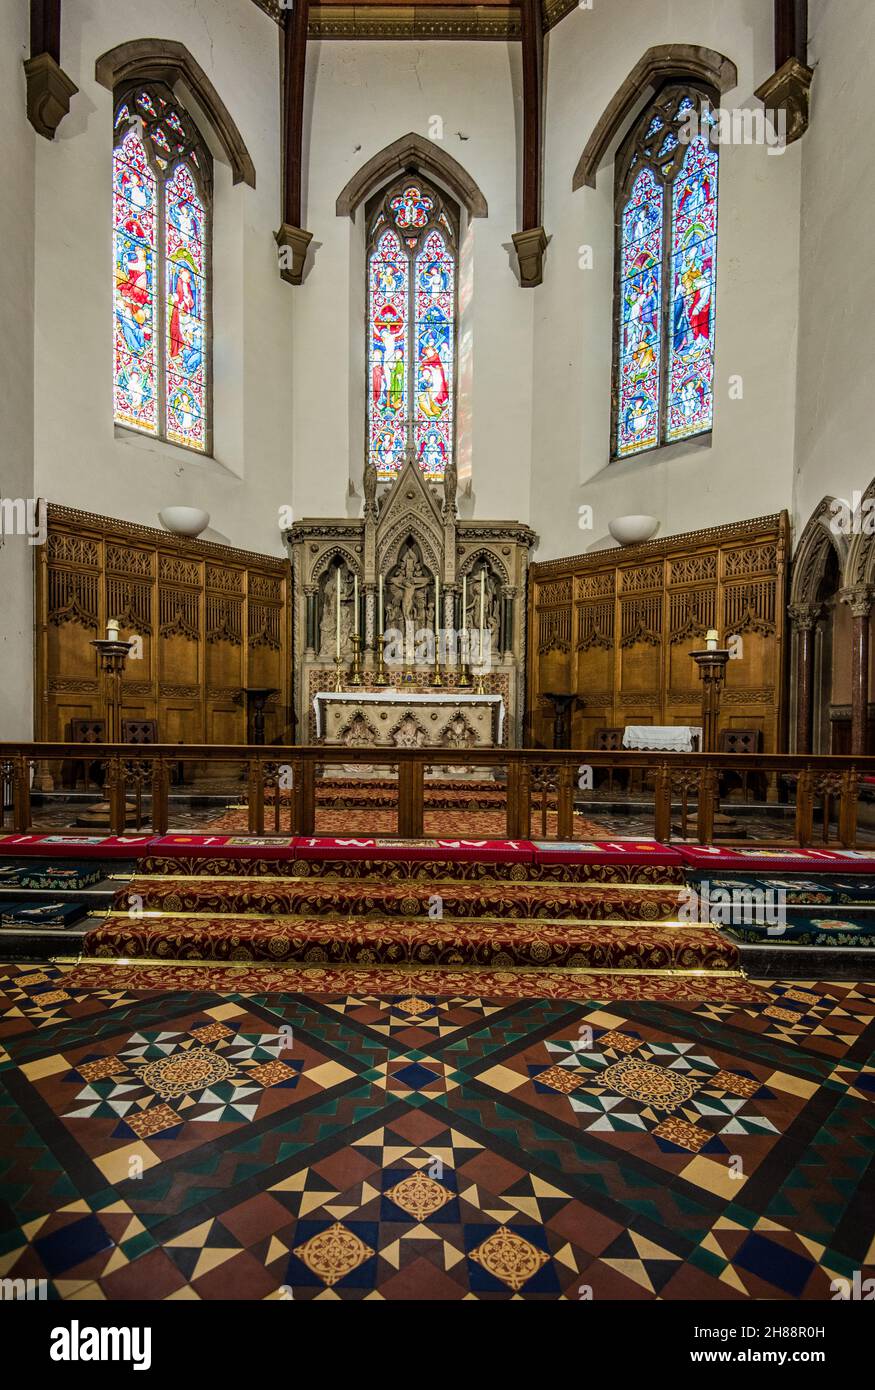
617,627
210,619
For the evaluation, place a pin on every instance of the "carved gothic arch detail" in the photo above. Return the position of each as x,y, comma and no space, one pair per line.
404,529
327,559
812,553
860,564
484,553
660,64
167,60
411,152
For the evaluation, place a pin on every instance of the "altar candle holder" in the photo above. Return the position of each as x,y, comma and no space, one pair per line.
380,678
355,670
436,679
338,675
463,680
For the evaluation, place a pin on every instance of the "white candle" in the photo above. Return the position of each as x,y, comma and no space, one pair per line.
711,640
437,605
464,602
337,633
112,630
355,603
380,610
482,609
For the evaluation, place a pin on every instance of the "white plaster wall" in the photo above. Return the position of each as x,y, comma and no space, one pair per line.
748,468
834,454
16,372
361,97
81,459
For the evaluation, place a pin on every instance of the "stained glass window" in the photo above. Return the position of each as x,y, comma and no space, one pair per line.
161,260
666,275
411,329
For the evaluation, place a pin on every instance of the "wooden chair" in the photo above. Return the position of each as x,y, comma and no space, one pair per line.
741,741
87,731
139,731
609,740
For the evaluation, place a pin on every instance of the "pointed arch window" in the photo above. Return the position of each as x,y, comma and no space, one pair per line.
411,328
665,276
162,185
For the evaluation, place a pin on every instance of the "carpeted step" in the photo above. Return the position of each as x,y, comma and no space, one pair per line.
366,898
425,870
488,943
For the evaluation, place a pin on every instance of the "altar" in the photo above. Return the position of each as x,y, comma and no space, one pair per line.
396,718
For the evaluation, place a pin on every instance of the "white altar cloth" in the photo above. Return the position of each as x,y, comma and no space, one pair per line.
672,738
392,695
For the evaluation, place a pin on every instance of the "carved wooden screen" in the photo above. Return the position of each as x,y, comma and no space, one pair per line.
617,627
212,620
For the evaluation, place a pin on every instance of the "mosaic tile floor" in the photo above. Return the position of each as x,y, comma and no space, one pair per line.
205,1145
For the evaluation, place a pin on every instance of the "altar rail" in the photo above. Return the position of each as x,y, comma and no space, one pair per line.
278,784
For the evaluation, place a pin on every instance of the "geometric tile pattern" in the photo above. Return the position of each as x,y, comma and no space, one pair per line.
208,1144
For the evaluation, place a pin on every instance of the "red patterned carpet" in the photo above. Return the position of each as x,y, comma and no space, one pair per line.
494,984
477,824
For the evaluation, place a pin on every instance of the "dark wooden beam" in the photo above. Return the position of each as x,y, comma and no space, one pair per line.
533,70
294,68
791,31
45,28
531,241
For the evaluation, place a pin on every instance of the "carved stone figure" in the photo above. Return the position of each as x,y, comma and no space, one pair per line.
328,617
408,584
408,733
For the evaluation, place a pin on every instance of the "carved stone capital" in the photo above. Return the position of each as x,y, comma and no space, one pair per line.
49,91
804,616
530,247
292,243
859,599
788,90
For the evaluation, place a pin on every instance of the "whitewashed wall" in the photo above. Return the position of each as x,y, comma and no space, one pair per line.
16,373
834,453
748,468
81,459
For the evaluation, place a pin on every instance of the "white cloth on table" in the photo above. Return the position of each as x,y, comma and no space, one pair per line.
672,738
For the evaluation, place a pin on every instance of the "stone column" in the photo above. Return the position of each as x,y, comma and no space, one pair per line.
859,599
804,618
311,592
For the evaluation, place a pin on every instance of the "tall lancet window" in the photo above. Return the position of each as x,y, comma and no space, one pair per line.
161,269
411,328
666,264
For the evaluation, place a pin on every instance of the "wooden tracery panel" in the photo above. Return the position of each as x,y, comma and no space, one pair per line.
211,621
617,627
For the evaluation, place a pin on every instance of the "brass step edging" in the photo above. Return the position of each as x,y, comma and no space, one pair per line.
409,966
350,919
419,883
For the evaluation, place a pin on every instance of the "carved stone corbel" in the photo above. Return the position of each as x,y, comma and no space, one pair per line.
787,90
292,243
530,246
49,91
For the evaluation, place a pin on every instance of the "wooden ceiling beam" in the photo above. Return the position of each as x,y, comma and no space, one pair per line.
531,241
292,240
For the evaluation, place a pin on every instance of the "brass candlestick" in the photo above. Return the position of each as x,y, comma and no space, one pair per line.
355,673
338,675
380,677
463,681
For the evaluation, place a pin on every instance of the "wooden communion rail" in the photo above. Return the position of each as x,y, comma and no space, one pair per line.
279,784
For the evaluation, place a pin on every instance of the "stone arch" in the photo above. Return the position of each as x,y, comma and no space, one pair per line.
409,153
812,553
327,559
167,60
405,529
683,61
492,560
860,564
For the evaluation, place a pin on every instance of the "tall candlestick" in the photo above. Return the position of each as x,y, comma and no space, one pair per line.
437,605
355,603
337,633
464,602
482,609
380,611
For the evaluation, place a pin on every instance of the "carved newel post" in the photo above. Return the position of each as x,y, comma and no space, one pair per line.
859,600
804,618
